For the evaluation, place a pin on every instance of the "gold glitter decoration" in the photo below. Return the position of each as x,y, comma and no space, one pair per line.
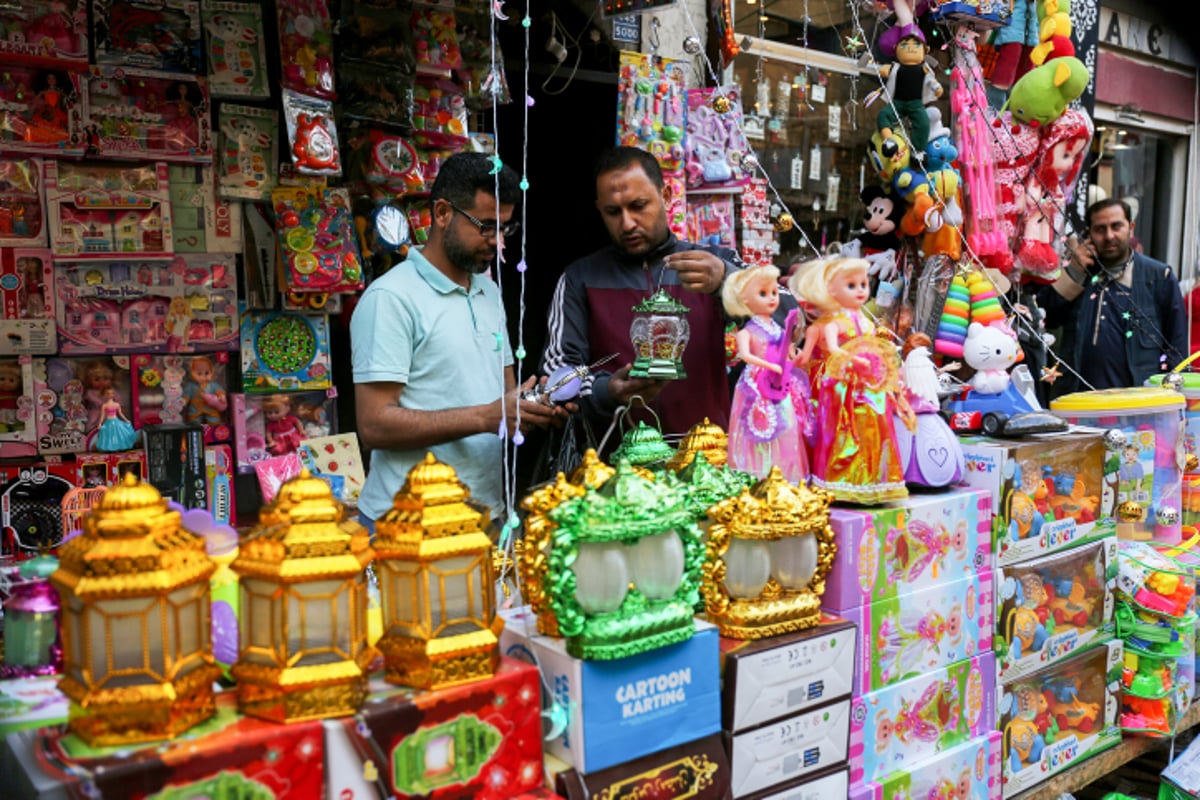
539,532
704,438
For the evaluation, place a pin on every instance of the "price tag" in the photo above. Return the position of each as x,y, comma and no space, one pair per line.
835,123
797,172
818,93
833,185
814,164
762,98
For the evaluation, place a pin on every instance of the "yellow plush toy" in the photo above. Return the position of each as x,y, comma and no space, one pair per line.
1054,32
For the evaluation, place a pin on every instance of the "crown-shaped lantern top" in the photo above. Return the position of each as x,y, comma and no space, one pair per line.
706,484
661,303
551,495
627,507
642,446
591,472
433,503
774,508
705,438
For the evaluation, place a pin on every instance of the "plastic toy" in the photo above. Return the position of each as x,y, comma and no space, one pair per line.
1154,582
1014,411
177,389
247,153
41,111
288,352
235,50
108,212
70,398
306,46
27,294
909,86
312,136
138,114
44,32
31,506
931,454
317,240
22,212
316,412
18,430
115,433
434,38
1148,716
163,36
381,94
652,107
715,144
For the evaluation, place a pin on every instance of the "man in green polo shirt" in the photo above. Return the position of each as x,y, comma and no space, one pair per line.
432,363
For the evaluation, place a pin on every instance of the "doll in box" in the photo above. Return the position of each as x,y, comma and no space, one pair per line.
97,380
918,544
48,118
11,390
905,639
206,399
283,430
116,432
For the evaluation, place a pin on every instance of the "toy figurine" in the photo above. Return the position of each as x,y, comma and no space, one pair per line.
910,86
47,122
769,418
206,400
856,386
11,389
918,545
905,640
183,130
97,379
116,432
283,430
1023,743
931,454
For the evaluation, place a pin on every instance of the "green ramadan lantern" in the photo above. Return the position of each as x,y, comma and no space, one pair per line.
659,333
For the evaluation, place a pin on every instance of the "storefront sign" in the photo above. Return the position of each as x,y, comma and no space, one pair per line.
1142,36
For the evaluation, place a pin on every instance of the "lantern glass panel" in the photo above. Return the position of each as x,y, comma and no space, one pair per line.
439,755
794,560
192,606
459,583
747,567
258,624
311,618
28,636
657,563
134,626
601,576
75,617
404,602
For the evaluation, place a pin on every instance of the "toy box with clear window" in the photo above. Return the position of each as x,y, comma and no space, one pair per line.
900,726
203,223
142,114
969,771
109,212
187,305
1051,607
906,546
70,393
163,35
1059,716
41,111
913,633
284,352
44,31
1144,434
176,465
176,389
31,497
107,469
18,425
27,291
219,471
1047,491
266,426
22,203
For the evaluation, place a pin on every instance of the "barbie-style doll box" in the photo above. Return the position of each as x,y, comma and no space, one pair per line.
969,771
27,293
907,546
904,725
1046,491
910,634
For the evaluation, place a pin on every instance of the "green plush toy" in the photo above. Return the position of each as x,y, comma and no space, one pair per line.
1044,92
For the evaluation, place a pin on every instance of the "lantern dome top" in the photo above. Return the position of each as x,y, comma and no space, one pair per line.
432,482
704,437
627,507
591,472
661,303
550,495
643,445
706,484
774,508
130,494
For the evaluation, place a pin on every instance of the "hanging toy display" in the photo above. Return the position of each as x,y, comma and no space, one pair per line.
715,144
312,136
910,85
956,316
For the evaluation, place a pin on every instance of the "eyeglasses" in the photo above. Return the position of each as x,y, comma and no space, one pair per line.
490,228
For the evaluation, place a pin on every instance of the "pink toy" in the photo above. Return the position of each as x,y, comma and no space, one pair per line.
45,31
177,389
276,471
316,412
18,431
70,398
284,431
108,212
27,292
139,114
306,47
1013,147
715,144
40,111
22,212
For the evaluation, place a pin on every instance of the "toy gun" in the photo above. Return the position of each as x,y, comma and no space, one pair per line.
564,383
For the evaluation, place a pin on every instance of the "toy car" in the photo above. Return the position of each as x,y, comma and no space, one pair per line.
1013,412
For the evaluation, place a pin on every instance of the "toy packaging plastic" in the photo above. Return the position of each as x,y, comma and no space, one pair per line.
439,114
203,223
235,50
70,393
710,220
1144,434
901,726
176,390
384,159
18,426
1154,582
41,111
140,114
184,306
163,35
176,464
249,151
969,771
335,457
911,545
715,144
312,135
652,107
109,212
107,469
314,415
1055,718
27,291
306,46
22,210
44,31
1047,491
317,240
1051,607
435,40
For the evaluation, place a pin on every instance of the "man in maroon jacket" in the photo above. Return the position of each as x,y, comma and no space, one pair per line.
592,307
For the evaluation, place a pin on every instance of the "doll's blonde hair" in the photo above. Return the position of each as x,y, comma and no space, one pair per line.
738,282
810,283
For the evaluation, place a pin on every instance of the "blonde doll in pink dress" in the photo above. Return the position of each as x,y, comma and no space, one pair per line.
770,416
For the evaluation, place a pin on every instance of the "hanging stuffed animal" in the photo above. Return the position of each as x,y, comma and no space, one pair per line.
1013,43
1054,32
1044,92
943,236
910,85
880,241
891,158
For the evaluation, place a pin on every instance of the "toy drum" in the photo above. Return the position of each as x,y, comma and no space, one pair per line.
1143,465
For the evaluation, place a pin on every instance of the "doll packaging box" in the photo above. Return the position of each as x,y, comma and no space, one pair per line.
913,633
22,203
109,212
27,291
901,726
18,401
907,546
1058,717
767,679
107,469
142,114
266,426
1047,491
72,394
1051,607
698,770
45,31
969,771
41,111
174,389
635,706
163,35
814,739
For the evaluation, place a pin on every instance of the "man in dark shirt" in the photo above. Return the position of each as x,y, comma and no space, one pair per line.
1121,312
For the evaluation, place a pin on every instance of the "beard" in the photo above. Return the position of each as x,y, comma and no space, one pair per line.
465,258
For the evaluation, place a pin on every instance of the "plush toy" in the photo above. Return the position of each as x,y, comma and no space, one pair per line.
942,235
1044,92
910,85
891,158
1013,149
1013,43
880,242
990,350
1054,32
906,13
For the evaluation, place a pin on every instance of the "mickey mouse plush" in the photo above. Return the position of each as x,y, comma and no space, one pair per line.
881,240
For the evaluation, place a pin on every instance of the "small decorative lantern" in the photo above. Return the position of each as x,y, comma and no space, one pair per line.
769,550
659,333
643,446
303,630
450,753
137,657
624,569
535,550
32,645
435,576
704,438
705,485
591,472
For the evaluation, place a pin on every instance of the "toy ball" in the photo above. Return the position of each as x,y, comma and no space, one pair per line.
1114,438
1167,516
1191,463
1130,511
1174,381
749,162
721,104
784,222
692,46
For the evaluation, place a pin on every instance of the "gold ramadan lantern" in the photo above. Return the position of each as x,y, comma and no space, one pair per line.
137,647
539,533
303,637
705,438
769,550
436,579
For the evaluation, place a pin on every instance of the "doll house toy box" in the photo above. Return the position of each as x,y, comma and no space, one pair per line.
109,212
27,292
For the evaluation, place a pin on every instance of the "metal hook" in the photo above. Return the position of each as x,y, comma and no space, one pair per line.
652,37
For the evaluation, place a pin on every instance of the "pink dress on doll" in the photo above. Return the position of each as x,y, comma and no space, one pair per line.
767,433
285,435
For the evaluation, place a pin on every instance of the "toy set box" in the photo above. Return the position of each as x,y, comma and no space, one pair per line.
288,352
203,222
236,49
228,755
903,725
18,400
834,782
119,32
70,393
41,112
814,739
32,702
767,679
176,464
265,426
1143,466
27,291
45,31
108,211
1047,491
969,771
913,633
184,306
22,210
634,706
219,476
174,389
1059,716
31,505
481,740
317,240
697,769
1051,607
140,114
913,544
107,469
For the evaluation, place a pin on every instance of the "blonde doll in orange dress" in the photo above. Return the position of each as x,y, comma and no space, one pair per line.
856,385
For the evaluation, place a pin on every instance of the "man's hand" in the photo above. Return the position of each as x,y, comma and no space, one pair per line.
622,388
699,270
1083,254
533,414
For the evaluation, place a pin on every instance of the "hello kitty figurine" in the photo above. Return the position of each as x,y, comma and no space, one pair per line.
990,350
